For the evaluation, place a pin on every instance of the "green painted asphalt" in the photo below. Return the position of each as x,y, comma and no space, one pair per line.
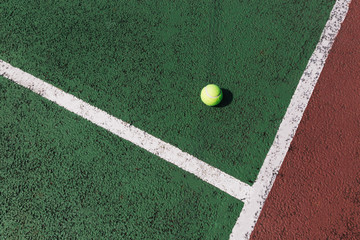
63,177
146,62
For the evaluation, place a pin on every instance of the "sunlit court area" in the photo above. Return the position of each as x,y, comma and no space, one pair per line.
176,119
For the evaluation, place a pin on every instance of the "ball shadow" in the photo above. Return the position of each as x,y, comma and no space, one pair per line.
227,98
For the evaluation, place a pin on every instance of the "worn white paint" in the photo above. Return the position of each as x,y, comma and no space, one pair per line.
268,172
166,151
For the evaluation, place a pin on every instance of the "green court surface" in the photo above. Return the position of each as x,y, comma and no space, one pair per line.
145,62
63,178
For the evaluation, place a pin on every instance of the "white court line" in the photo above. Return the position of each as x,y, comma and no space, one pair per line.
254,197
174,155
268,172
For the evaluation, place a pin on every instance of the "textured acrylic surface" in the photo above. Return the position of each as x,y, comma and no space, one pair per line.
146,63
317,192
63,177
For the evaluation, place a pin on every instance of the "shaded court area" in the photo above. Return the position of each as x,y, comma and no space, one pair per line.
317,192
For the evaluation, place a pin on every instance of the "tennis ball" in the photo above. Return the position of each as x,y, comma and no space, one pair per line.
211,95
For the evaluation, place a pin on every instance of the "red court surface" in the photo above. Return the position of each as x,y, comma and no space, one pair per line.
317,192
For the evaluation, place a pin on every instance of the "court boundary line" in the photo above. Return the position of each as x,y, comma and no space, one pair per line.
166,151
260,189
253,196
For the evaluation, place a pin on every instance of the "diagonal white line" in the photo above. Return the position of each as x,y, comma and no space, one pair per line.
268,172
166,151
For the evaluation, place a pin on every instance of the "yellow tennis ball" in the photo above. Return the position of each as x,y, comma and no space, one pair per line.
211,95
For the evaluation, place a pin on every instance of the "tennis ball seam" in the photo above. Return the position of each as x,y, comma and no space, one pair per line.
207,94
